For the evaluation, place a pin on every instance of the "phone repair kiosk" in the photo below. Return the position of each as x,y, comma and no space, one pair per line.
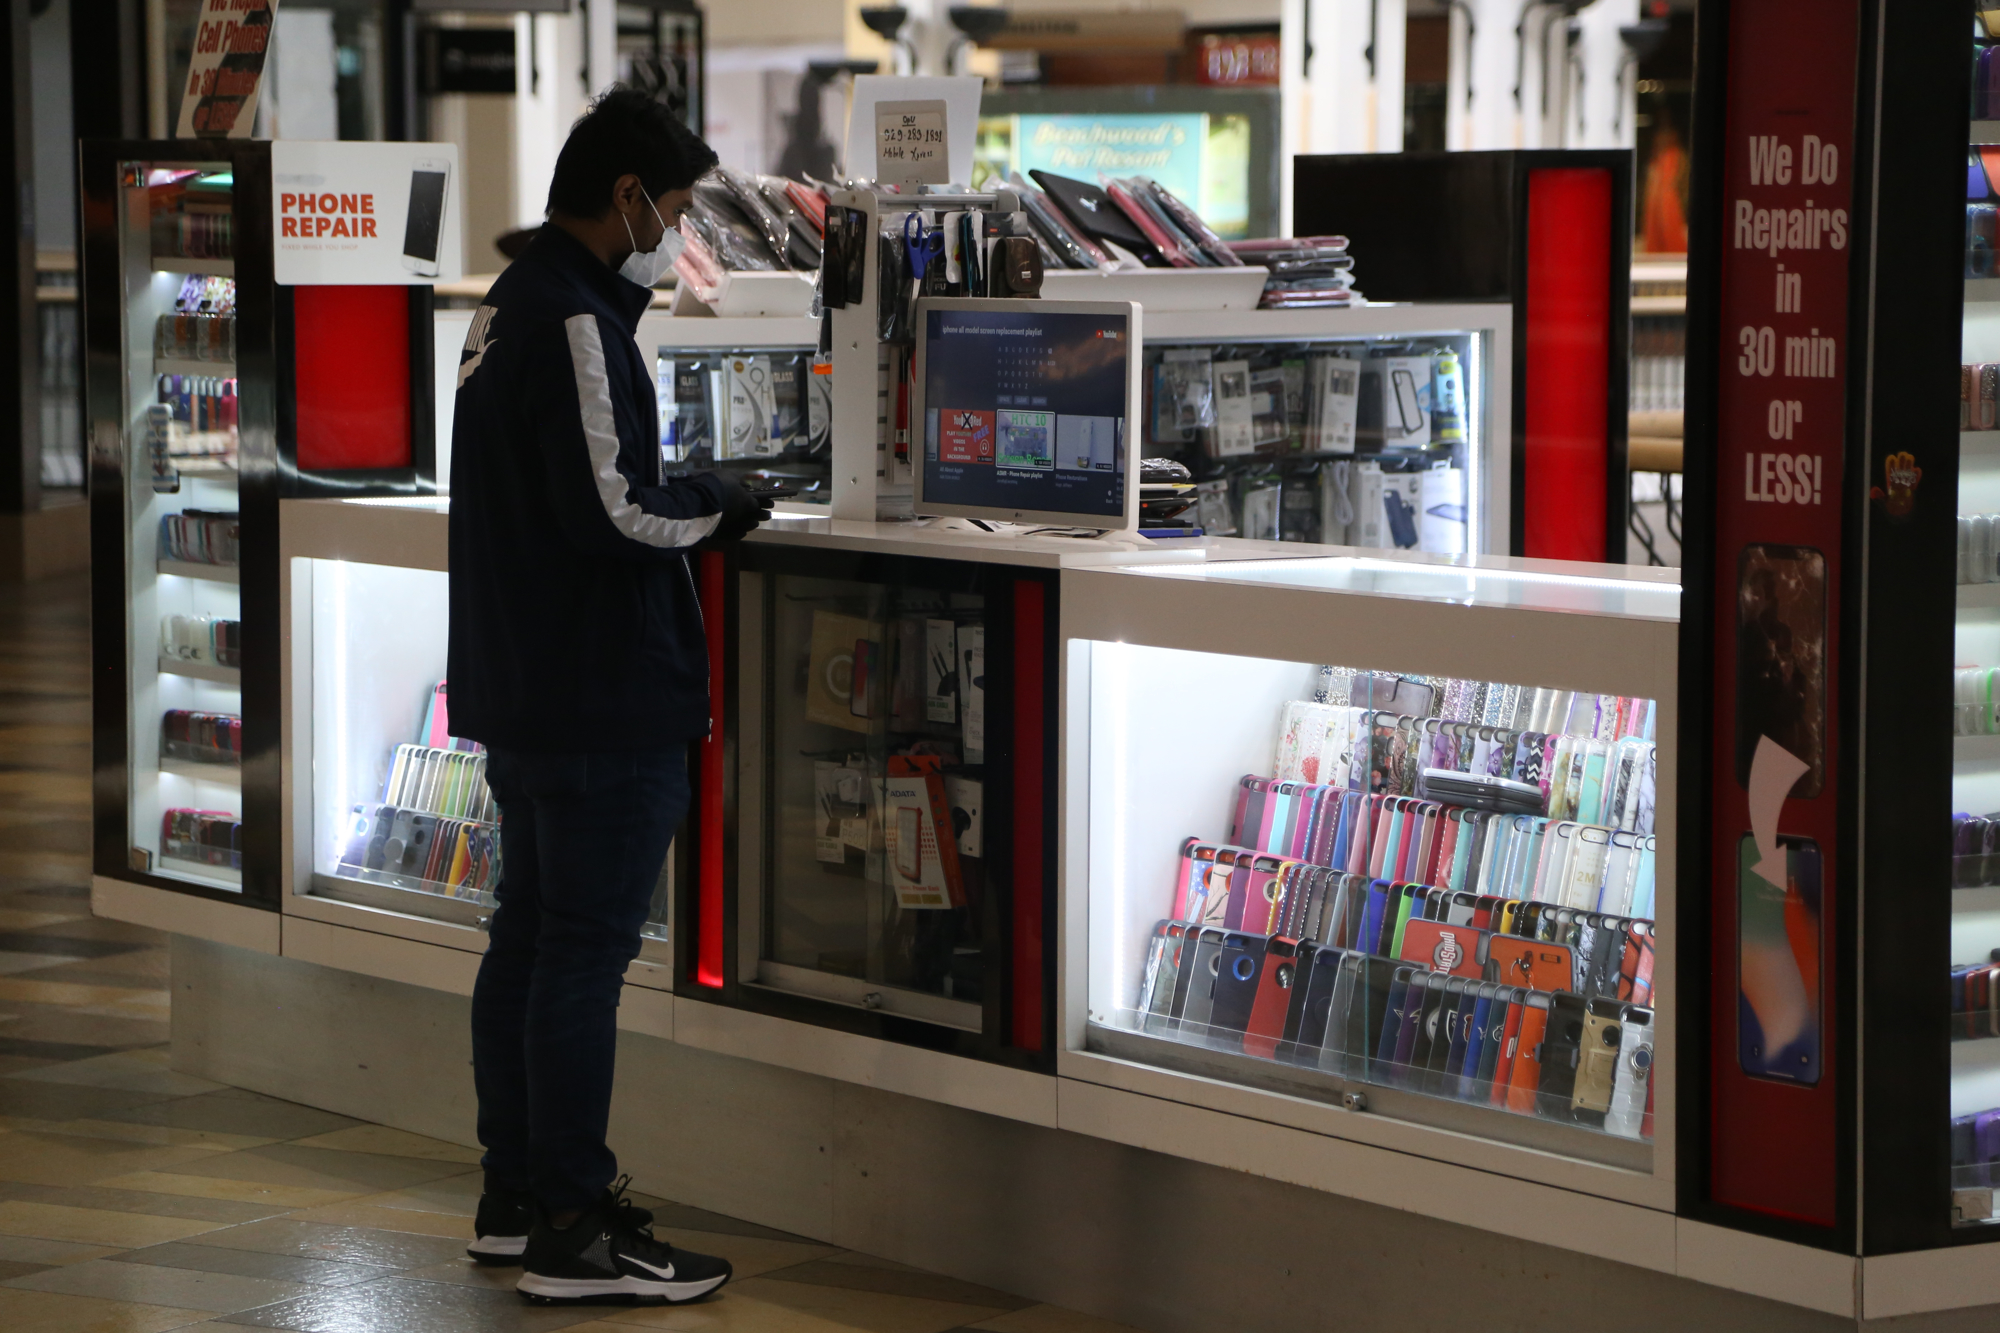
1054,892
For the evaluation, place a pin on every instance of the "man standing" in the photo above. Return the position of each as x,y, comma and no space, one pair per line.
578,659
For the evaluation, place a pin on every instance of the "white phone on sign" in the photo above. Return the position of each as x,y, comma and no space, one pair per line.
423,227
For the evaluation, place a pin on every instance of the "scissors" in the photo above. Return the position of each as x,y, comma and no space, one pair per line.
924,247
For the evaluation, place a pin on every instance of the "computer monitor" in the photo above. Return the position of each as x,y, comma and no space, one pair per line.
1025,411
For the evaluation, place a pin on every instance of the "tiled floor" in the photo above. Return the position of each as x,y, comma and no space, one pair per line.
135,1199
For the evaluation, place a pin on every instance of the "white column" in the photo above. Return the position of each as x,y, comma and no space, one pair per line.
545,103
1482,112
1608,81
1337,79
930,31
1294,103
601,43
1391,38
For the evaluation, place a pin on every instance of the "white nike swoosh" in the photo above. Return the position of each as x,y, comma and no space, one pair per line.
465,371
664,1274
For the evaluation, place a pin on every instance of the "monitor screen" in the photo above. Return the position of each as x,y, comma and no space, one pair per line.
1024,409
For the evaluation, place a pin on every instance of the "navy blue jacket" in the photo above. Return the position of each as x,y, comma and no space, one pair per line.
574,623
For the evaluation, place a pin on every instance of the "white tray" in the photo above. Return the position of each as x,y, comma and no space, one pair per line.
1187,289
748,293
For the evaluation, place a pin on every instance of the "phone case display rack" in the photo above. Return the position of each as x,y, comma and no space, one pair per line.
187,353
1423,894
1975,904
1373,427
178,323
1387,839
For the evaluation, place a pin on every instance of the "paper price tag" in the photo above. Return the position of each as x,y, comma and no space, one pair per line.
910,143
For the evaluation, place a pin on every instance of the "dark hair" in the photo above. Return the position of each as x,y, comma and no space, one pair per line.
625,133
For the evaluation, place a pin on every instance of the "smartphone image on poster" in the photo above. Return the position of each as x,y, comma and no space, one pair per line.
423,227
1781,658
1778,950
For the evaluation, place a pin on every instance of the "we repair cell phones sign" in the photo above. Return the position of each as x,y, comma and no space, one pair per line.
231,39
365,214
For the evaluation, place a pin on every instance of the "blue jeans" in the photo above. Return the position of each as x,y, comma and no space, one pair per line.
582,839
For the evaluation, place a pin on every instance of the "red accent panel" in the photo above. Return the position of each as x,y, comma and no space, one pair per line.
351,372
1780,417
708,860
1030,631
1568,350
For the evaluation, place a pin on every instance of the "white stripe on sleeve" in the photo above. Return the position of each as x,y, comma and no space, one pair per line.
600,434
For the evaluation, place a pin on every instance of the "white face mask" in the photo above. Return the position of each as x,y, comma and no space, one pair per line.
647,267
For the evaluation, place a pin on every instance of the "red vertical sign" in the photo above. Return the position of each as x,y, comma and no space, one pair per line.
1780,437
1568,341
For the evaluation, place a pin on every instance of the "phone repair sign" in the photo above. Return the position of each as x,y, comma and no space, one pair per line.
365,214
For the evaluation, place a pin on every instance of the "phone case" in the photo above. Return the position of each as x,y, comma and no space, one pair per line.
1429,1025
1632,1086
1455,949
1583,881
1194,1011
1492,1062
1391,1048
1156,988
1277,976
1239,965
1562,1045
1448,1057
1525,1075
1597,1061
1529,964
1307,1026
1464,1072
1525,1020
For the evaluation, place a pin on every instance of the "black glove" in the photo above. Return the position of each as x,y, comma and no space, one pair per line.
741,513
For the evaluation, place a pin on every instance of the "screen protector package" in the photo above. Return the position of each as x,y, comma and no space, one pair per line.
1184,396
1190,222
735,239
773,229
1076,249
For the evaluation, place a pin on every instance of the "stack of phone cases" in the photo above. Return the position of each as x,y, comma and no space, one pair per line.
1979,395
1979,548
202,639
1533,858
211,837
202,738
1975,1000
1975,1160
200,536
1975,850
435,826
414,850
1555,1054
1543,946
1608,779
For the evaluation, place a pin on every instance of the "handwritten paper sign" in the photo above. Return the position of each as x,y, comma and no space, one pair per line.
910,143
231,40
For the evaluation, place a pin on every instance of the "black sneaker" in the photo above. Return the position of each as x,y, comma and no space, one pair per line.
609,1256
500,1231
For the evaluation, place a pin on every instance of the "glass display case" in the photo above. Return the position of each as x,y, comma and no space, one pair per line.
1338,837
166,331
751,407
1363,440
1975,782
396,811
889,854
